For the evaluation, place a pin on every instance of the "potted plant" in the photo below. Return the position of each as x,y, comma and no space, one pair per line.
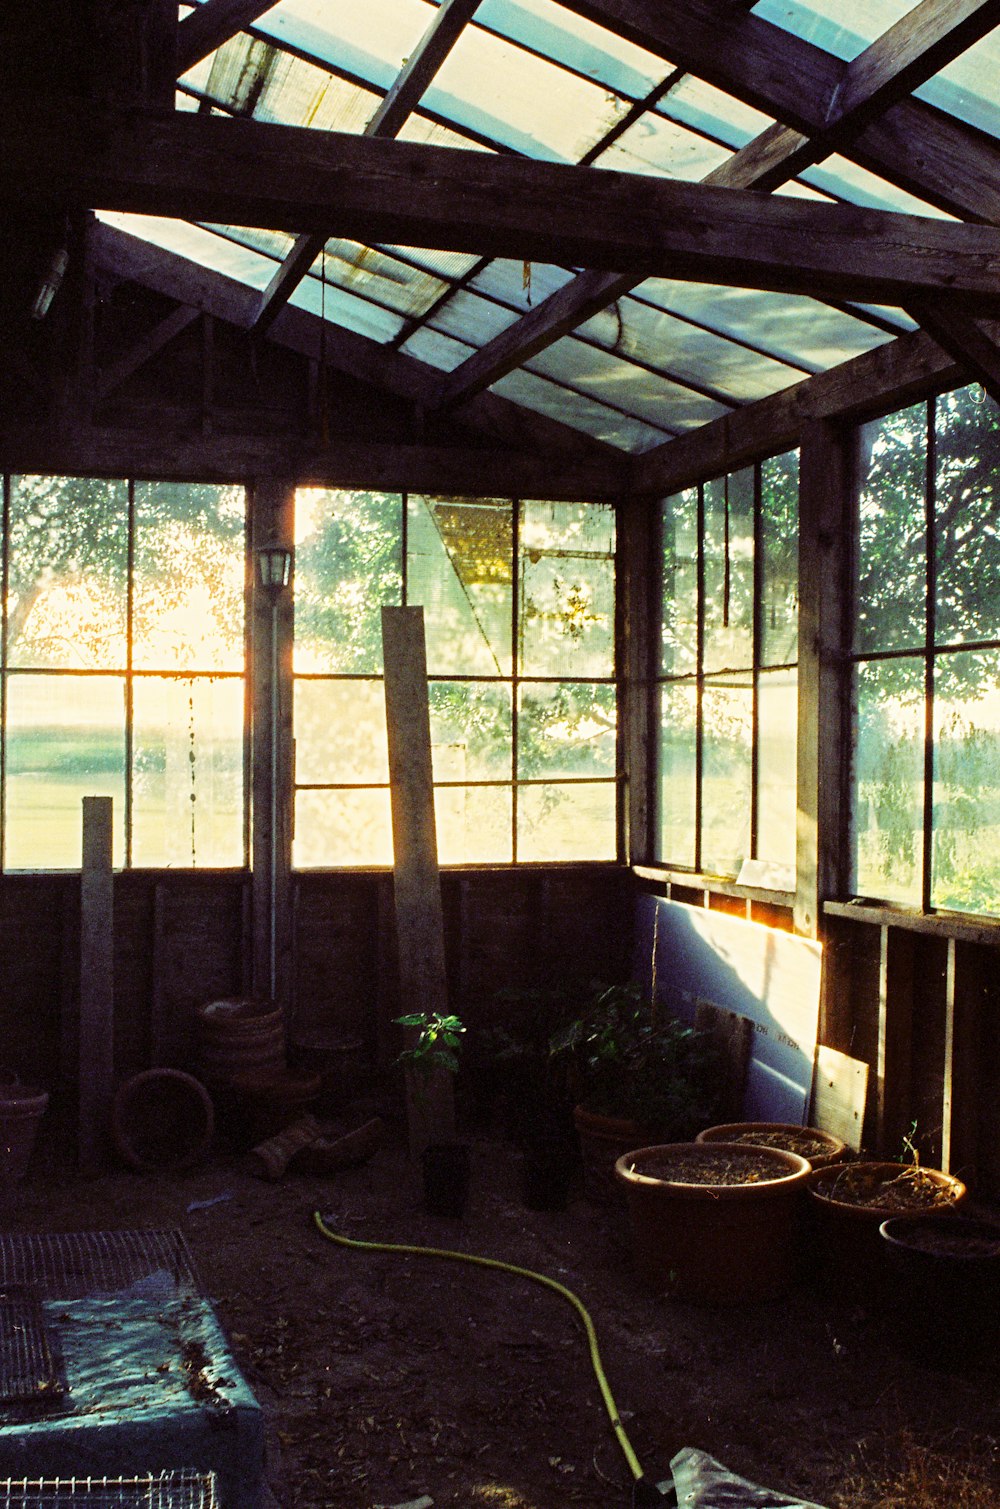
714,1222
430,1062
637,1076
820,1148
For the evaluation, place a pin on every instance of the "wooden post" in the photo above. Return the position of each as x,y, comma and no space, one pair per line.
638,570
97,984
271,677
416,877
893,1067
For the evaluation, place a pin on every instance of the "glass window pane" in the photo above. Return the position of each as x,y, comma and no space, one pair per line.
66,604
892,543
187,804
347,564
471,731
473,824
966,851
190,573
679,595
888,780
567,822
567,590
339,829
729,568
967,516
340,734
777,734
727,717
65,741
459,567
566,729
676,774
779,509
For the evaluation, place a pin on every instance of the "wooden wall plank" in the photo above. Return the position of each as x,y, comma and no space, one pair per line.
97,986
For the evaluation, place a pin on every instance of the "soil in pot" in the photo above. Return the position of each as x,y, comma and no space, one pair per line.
715,1224
820,1148
446,1175
944,1286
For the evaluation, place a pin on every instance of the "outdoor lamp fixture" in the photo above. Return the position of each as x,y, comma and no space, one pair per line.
50,284
274,564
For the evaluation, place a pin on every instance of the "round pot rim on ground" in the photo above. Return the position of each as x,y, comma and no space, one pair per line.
859,1210
739,1131
895,1229
790,1170
132,1103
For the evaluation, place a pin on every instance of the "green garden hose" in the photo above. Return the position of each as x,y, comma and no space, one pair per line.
538,1278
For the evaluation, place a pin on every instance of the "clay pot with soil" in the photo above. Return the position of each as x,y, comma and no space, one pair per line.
715,1223
819,1148
943,1285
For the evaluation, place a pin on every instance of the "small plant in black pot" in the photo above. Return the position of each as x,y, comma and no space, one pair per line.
430,1062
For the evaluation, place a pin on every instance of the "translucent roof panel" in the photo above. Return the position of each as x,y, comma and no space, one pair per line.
436,349
968,87
845,180
473,319
580,45
843,27
601,374
688,352
521,284
341,307
198,245
534,392
250,77
692,102
369,39
656,145
530,105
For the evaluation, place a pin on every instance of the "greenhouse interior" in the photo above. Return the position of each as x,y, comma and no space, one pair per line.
500,656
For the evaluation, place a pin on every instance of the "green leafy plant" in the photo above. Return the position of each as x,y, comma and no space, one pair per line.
436,1045
621,1060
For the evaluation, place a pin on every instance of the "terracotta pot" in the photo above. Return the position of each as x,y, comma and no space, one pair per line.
714,1243
944,1286
846,1233
603,1140
784,1134
241,1035
162,1121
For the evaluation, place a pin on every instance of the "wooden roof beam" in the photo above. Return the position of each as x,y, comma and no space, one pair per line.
973,342
281,177
391,115
213,23
151,344
900,59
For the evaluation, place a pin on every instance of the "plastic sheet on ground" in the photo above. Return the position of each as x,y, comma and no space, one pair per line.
700,1482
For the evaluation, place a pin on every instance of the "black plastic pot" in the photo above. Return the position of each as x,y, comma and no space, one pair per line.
446,1170
547,1167
944,1281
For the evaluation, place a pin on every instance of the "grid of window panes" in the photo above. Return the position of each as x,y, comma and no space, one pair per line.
122,652
926,767
726,684
519,617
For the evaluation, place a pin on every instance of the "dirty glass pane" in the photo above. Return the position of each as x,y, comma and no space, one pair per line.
727,717
190,571
339,829
676,787
777,734
892,541
566,729
965,871
967,516
779,567
679,594
348,562
729,568
887,810
567,822
459,568
340,735
187,771
567,590
68,564
471,731
473,824
65,741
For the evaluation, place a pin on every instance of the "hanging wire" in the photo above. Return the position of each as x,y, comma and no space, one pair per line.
725,568
324,396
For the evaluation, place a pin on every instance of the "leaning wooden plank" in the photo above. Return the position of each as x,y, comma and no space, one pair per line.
840,1088
97,984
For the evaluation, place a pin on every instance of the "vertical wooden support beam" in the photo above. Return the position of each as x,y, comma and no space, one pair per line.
272,521
416,877
962,1047
824,535
637,574
895,1027
97,984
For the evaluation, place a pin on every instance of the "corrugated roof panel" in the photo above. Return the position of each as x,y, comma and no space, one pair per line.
370,40
252,77
436,349
656,145
688,352
968,88
704,108
581,45
345,308
843,27
644,394
532,106
473,319
534,392
198,245
846,180
522,284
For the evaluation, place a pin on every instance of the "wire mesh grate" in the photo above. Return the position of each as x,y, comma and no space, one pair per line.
179,1488
79,1264
28,1370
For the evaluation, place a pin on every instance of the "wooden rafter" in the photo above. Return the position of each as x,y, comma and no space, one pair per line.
892,63
136,357
398,104
277,177
213,23
975,343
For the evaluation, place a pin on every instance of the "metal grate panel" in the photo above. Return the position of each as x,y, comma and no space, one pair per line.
80,1264
178,1489
28,1370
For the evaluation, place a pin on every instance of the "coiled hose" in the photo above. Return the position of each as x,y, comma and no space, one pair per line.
646,1492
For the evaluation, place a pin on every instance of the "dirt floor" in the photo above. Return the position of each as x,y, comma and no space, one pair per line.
389,1378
